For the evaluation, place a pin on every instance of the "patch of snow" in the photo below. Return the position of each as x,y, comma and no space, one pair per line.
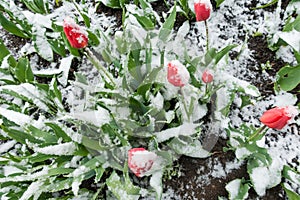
59,149
4,147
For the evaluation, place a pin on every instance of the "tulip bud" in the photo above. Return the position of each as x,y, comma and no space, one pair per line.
207,76
177,75
76,35
278,117
202,9
140,161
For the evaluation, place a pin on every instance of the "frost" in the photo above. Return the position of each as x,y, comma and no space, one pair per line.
59,149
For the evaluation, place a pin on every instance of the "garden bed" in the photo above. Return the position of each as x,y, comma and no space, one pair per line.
66,126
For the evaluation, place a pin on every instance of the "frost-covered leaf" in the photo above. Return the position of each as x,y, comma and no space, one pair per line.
120,191
167,27
271,174
37,6
34,190
237,189
64,67
23,71
156,183
59,149
12,27
185,145
184,129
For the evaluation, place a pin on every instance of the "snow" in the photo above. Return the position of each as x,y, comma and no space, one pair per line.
34,190
4,147
184,129
59,149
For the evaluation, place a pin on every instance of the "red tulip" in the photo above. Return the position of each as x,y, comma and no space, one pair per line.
278,117
140,161
202,9
207,76
76,35
177,75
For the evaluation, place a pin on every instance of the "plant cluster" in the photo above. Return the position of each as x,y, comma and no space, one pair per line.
148,108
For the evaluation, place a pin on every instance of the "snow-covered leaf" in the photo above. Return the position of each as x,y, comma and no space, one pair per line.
237,189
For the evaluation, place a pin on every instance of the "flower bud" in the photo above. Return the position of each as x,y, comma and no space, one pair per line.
278,117
207,76
76,35
177,75
202,9
140,161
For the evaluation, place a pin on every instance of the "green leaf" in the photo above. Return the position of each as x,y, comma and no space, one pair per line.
219,2
113,3
137,106
20,136
219,55
187,146
37,6
291,194
145,22
266,5
288,77
121,190
41,44
12,28
47,137
5,52
23,71
240,186
57,47
168,25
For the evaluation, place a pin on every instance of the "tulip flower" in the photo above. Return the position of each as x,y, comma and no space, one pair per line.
177,75
278,117
76,35
202,9
140,161
207,76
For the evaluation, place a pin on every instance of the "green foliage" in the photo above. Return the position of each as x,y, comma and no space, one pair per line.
37,6
288,78
219,2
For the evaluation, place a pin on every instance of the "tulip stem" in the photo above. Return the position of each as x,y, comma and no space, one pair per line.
98,65
207,37
256,133
184,104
